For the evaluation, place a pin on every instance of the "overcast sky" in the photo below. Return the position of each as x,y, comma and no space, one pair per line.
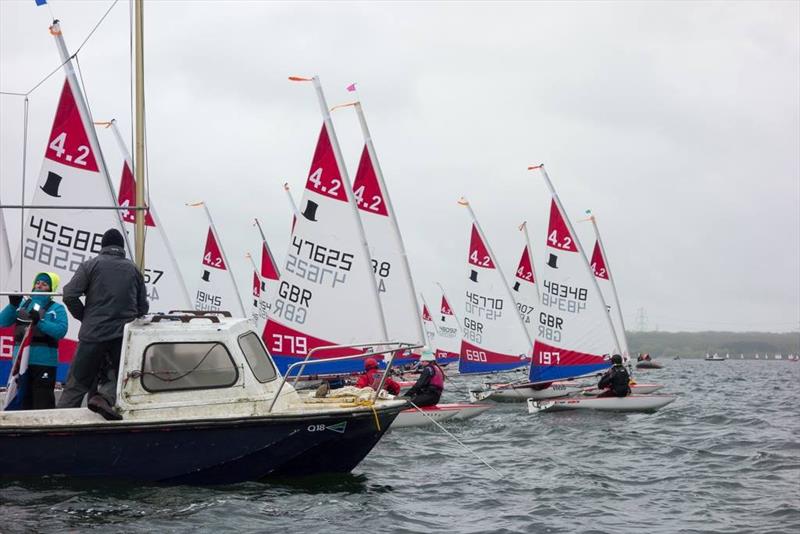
676,123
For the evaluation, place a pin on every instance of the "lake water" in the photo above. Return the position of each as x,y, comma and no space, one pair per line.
725,457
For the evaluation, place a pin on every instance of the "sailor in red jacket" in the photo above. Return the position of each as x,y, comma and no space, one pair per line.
372,378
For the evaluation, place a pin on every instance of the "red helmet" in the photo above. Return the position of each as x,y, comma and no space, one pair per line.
370,363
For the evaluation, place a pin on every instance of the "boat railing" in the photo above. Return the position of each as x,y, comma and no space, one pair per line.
394,348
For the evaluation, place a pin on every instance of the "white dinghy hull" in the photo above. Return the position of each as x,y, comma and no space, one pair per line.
629,404
441,412
636,389
521,393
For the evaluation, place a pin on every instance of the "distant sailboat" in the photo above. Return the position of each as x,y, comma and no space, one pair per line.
216,286
448,339
526,287
268,277
495,338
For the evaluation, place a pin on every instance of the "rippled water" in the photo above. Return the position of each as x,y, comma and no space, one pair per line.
725,457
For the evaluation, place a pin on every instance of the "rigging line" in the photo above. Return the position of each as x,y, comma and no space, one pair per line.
475,454
32,89
99,22
22,193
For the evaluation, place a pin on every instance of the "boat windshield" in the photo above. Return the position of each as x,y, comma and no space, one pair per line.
257,357
177,366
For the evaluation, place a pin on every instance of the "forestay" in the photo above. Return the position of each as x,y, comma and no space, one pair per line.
326,295
573,331
58,240
448,338
494,338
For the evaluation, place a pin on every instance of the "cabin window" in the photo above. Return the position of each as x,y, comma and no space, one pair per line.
179,366
257,357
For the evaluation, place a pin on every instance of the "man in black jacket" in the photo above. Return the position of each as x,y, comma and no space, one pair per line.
115,295
616,381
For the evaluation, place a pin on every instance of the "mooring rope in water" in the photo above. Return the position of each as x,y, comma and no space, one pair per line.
475,454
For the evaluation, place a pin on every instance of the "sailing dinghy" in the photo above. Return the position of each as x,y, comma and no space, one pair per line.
448,333
575,336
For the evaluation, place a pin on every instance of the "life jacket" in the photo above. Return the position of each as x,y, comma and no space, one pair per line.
374,378
23,320
437,380
620,381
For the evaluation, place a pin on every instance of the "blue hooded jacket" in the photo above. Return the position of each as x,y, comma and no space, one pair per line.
53,324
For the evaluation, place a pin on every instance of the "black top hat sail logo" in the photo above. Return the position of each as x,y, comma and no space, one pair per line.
310,212
52,184
552,261
473,275
516,286
206,276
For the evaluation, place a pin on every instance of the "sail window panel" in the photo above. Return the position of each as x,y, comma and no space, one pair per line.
182,366
257,357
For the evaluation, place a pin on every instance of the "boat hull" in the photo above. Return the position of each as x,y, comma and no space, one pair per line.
441,412
648,365
630,404
217,451
636,389
522,392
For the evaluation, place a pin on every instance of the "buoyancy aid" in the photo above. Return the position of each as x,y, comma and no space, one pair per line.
437,381
23,320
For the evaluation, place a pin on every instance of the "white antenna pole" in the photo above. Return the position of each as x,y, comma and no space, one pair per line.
127,156
392,217
266,247
348,190
291,200
86,118
623,336
510,295
460,327
524,228
580,250
224,258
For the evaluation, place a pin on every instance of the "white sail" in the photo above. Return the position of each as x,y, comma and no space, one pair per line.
428,325
327,294
5,250
257,307
267,276
166,289
525,288
602,271
216,287
494,337
448,339
389,260
574,331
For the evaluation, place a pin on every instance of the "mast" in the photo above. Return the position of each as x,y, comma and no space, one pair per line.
622,336
291,201
509,294
524,228
83,110
348,191
395,228
580,249
139,148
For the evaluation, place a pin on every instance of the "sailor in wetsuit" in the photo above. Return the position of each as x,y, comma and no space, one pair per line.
615,381
429,386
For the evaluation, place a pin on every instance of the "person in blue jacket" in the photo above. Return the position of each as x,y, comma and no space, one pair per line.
49,320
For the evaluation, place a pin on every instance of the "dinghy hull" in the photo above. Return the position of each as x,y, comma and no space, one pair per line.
629,404
441,412
523,392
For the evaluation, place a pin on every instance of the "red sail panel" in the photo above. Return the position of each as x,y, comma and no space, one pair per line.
324,177
426,316
478,253
525,270
366,189
598,262
558,235
127,197
446,309
68,143
256,285
268,269
212,255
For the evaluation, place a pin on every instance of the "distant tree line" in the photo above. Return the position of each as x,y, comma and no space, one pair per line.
697,344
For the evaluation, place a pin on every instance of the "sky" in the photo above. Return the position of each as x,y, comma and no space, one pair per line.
676,123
